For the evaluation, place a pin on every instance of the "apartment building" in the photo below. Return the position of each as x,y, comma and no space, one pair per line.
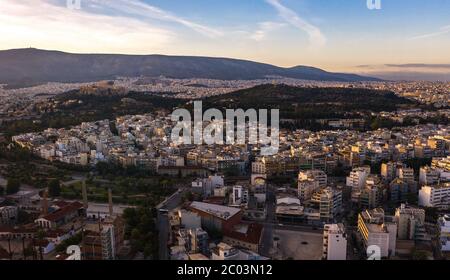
410,223
330,203
437,196
407,174
389,170
306,189
377,229
334,242
358,176
428,175
315,175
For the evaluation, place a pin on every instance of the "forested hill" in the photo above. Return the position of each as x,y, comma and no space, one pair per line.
291,99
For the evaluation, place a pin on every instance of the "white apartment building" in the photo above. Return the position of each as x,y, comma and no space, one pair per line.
407,174
358,176
207,185
334,242
376,231
437,196
428,175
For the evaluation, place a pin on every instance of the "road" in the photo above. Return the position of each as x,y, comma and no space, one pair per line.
163,221
269,225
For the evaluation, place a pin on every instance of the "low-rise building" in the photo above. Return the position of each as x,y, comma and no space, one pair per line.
289,209
64,213
224,252
217,217
247,236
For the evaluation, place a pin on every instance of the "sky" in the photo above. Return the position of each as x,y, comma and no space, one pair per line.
336,35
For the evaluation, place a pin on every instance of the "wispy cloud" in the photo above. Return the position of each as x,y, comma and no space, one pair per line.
443,30
419,65
315,35
265,28
42,24
148,12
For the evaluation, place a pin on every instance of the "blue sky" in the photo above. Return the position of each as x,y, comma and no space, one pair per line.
336,35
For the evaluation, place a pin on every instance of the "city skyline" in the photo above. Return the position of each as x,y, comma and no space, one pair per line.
403,36
255,130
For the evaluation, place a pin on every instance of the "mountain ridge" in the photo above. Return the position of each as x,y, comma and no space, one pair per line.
36,66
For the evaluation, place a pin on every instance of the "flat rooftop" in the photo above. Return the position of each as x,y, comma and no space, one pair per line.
104,208
374,228
220,211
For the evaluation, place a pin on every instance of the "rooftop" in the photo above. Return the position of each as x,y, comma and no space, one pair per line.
249,233
222,212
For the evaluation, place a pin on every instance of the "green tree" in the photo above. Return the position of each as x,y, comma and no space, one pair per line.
141,230
54,188
13,186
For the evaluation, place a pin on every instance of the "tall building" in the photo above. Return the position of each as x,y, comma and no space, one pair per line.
357,177
410,223
389,170
407,174
330,203
103,241
334,242
372,194
375,229
437,196
399,190
428,175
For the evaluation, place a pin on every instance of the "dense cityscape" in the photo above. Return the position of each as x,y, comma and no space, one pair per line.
327,194
234,139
